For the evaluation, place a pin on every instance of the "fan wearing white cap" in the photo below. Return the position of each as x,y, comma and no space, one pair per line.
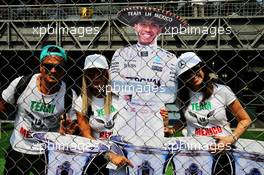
96,108
203,103
95,101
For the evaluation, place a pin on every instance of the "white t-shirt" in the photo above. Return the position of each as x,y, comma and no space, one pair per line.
209,118
36,112
102,125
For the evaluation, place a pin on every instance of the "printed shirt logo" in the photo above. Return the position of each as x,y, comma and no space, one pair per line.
201,106
157,60
208,131
155,81
101,112
38,124
108,123
38,106
105,134
201,119
24,132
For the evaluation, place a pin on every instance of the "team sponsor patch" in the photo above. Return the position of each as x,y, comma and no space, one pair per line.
157,60
157,68
144,53
153,80
131,65
131,60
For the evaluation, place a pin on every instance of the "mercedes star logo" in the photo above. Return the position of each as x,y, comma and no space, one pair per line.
181,64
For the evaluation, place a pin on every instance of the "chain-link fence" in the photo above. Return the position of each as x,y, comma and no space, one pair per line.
226,35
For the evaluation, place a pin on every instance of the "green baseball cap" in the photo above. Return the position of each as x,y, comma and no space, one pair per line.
52,50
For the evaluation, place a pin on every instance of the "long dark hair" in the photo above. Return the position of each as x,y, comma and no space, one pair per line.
184,88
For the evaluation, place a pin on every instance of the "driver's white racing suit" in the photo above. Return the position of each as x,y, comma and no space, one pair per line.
143,76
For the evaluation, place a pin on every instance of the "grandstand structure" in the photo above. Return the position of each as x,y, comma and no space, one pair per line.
244,19
227,34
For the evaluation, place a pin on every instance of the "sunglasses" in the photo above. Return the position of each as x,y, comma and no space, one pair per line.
49,67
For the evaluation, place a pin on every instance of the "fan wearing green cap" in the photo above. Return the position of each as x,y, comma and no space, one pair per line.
40,106
203,103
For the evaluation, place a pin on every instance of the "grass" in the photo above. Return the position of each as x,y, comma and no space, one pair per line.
5,134
8,128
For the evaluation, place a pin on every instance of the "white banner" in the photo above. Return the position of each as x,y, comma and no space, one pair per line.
188,155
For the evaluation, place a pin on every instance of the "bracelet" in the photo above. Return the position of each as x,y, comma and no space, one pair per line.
173,130
106,156
234,137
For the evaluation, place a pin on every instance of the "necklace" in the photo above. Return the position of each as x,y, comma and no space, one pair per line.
47,103
42,96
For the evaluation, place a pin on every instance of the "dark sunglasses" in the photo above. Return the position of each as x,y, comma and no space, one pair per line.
189,73
95,72
49,67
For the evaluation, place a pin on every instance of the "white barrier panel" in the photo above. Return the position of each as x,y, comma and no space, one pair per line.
146,159
69,154
66,163
249,157
193,157
188,155
193,162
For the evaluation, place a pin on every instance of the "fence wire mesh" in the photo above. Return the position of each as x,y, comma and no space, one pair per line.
226,35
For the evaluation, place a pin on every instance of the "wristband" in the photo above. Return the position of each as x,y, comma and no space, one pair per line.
173,130
107,157
234,137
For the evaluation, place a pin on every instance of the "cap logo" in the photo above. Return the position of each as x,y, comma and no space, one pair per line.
181,64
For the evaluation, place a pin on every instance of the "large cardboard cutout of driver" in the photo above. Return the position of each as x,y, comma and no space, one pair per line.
143,76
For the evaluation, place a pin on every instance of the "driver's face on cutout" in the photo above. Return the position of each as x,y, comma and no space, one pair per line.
147,31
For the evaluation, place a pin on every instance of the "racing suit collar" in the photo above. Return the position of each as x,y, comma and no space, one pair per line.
153,46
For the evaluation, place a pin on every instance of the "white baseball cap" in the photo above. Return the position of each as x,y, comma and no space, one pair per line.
95,61
186,61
